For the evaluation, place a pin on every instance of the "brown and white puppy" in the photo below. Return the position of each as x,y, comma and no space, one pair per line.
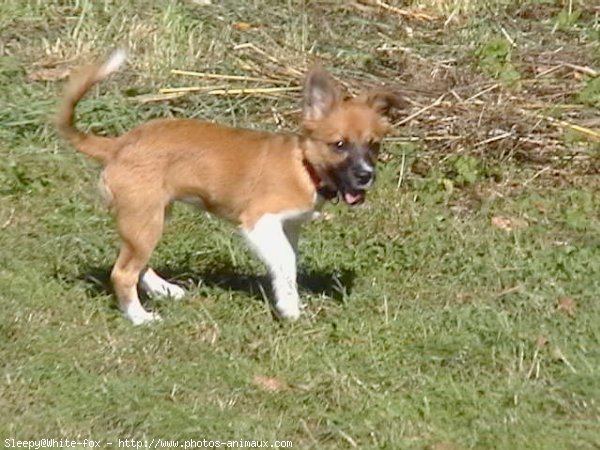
267,183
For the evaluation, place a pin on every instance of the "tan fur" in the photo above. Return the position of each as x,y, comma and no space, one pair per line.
237,174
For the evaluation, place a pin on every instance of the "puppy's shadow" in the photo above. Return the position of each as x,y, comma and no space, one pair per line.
336,285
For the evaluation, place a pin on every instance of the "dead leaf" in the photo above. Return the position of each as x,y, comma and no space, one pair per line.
540,342
567,305
270,384
509,223
49,74
242,26
444,445
464,297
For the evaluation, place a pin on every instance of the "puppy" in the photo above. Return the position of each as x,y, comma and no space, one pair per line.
266,183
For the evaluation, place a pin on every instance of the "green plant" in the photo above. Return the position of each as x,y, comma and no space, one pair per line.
590,94
494,58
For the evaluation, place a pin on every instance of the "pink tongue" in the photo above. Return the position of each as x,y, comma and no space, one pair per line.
352,199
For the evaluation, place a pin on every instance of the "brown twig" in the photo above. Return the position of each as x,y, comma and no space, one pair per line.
587,70
226,77
187,89
230,91
421,111
396,10
593,134
149,98
504,135
419,138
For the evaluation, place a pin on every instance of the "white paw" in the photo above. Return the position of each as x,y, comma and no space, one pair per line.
155,286
139,316
287,301
169,290
288,310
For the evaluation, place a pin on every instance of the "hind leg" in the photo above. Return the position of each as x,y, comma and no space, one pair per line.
140,230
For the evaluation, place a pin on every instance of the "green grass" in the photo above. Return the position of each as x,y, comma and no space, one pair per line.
427,326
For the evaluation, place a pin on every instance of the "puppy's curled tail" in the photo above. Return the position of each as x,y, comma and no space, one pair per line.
97,147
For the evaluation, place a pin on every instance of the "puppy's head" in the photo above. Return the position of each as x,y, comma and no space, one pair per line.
348,133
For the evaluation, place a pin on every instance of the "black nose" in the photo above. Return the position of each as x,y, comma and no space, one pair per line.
363,176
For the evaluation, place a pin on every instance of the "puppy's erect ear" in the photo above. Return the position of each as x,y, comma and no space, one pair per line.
384,101
320,95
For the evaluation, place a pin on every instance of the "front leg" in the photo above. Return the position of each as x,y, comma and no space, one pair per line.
269,241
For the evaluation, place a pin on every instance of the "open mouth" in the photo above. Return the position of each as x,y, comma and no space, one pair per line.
356,197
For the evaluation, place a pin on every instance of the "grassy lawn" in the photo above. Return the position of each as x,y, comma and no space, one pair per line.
458,308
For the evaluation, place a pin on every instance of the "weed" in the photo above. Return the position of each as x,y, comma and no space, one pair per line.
590,94
494,58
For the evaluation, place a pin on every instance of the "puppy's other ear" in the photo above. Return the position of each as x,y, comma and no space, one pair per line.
384,101
320,95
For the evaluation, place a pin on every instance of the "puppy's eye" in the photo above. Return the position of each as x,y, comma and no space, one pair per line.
340,146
